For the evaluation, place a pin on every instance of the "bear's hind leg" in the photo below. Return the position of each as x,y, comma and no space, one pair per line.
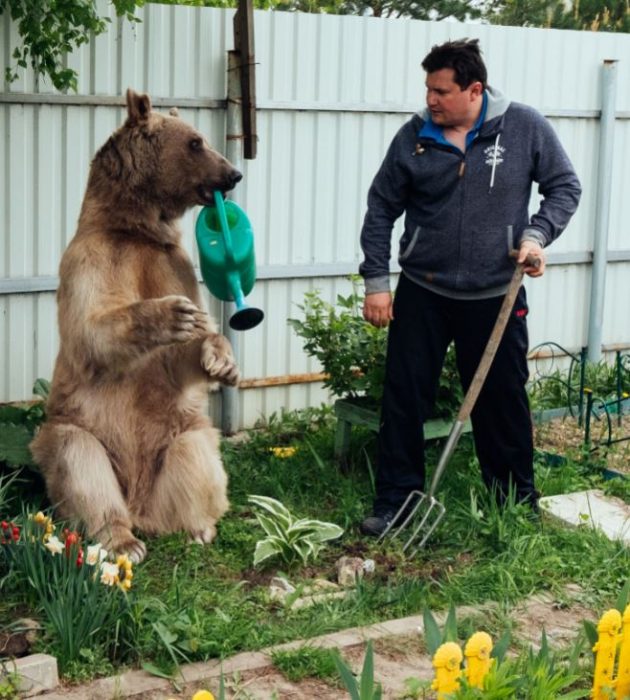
190,492
82,485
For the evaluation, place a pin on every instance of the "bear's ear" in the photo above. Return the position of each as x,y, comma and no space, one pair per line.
138,108
174,112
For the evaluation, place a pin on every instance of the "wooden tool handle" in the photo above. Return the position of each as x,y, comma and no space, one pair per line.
495,338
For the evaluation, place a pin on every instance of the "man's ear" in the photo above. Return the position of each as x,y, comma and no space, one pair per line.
138,108
476,89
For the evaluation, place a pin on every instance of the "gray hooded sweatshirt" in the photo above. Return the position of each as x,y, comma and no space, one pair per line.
462,208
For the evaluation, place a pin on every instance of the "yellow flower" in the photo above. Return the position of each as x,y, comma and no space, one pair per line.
283,452
126,584
203,695
45,522
109,573
124,562
55,545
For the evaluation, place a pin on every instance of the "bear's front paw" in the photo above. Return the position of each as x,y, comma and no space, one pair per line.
203,536
179,320
218,361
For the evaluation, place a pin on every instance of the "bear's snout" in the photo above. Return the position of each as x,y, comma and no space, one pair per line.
234,178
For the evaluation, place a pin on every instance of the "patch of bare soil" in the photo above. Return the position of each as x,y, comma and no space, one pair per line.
561,619
563,436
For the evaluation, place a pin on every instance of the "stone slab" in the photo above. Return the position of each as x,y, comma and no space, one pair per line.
591,508
37,672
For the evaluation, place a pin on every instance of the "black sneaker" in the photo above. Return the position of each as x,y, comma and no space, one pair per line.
375,525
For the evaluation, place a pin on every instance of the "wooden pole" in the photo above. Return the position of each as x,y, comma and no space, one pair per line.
244,45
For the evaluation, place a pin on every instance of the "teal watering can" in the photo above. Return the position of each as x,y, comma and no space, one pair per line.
226,253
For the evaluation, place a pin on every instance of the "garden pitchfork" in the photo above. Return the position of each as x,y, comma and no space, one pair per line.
427,509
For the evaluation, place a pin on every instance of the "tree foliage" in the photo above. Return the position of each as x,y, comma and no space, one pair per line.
415,9
50,29
593,15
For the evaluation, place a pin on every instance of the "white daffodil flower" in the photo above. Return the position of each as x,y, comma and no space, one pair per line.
109,573
55,545
96,554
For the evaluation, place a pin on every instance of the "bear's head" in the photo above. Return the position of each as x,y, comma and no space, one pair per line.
159,160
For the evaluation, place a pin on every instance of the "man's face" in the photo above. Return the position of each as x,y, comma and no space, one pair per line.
448,103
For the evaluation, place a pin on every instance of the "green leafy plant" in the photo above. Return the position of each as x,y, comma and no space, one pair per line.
289,537
18,423
560,388
352,352
434,637
9,683
365,688
50,30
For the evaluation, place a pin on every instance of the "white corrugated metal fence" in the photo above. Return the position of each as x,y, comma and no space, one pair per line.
331,93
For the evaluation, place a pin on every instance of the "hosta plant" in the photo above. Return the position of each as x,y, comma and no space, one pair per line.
288,537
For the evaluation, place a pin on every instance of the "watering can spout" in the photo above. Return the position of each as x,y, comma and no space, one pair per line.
226,253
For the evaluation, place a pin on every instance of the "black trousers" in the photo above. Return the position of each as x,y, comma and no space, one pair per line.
424,325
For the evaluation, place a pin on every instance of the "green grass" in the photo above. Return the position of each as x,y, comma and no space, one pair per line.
193,603
306,662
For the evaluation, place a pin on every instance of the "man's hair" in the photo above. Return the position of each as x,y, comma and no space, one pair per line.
463,56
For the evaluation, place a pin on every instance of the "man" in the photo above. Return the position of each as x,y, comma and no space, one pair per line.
462,173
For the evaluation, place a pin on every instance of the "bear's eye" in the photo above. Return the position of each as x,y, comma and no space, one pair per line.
196,144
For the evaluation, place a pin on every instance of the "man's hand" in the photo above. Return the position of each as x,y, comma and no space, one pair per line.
533,250
378,309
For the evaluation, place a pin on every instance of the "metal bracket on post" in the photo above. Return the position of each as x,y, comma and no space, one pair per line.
602,212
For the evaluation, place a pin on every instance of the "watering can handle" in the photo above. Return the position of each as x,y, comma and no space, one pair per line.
218,200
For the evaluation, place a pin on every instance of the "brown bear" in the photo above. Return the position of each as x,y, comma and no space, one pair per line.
127,444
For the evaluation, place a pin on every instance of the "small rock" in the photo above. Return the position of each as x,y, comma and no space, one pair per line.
307,601
322,585
283,583
280,588
369,567
349,570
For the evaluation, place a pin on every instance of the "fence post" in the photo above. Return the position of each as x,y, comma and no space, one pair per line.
605,650
602,212
447,664
478,661
230,418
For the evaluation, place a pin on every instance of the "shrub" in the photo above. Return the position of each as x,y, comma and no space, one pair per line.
352,352
18,423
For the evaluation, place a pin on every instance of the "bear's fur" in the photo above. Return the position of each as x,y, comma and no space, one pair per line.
127,444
